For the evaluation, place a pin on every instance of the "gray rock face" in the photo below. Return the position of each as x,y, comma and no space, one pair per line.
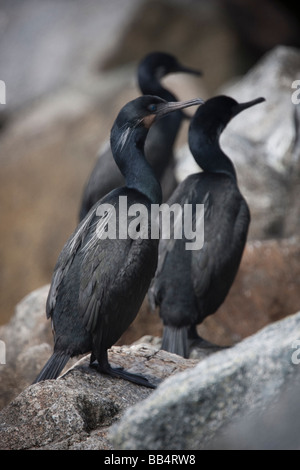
264,144
28,339
63,53
187,411
278,428
75,411
218,390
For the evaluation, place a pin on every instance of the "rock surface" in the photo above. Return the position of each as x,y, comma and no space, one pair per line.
28,339
277,428
75,411
220,389
193,406
64,42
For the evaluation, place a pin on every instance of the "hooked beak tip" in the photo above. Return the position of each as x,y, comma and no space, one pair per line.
191,71
242,106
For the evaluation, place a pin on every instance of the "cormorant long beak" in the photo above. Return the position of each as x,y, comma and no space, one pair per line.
169,107
241,106
190,70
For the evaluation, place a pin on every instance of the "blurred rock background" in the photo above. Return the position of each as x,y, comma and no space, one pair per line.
68,67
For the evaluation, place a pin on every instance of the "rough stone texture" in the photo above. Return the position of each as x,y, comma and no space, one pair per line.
65,42
28,340
247,377
75,411
264,144
277,428
28,345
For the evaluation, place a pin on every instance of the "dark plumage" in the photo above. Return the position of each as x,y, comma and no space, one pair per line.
189,285
105,175
99,283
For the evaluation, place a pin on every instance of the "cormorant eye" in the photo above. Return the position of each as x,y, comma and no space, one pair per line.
152,108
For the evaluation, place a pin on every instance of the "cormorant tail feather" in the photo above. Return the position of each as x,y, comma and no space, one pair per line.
175,340
53,366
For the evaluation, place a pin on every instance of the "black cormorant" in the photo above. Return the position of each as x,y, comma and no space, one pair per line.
100,281
191,284
105,175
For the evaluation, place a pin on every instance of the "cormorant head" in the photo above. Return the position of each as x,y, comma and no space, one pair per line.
212,118
139,115
128,137
205,129
158,64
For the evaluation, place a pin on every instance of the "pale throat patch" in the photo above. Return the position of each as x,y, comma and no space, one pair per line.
148,120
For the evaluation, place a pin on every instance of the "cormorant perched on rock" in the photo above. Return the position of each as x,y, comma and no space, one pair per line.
105,175
191,284
102,277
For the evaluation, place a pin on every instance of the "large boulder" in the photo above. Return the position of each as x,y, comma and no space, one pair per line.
28,344
188,410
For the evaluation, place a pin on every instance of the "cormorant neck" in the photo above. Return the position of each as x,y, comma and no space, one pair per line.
149,84
128,151
164,132
207,152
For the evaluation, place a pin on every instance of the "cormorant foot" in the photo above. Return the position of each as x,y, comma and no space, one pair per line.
123,374
203,344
